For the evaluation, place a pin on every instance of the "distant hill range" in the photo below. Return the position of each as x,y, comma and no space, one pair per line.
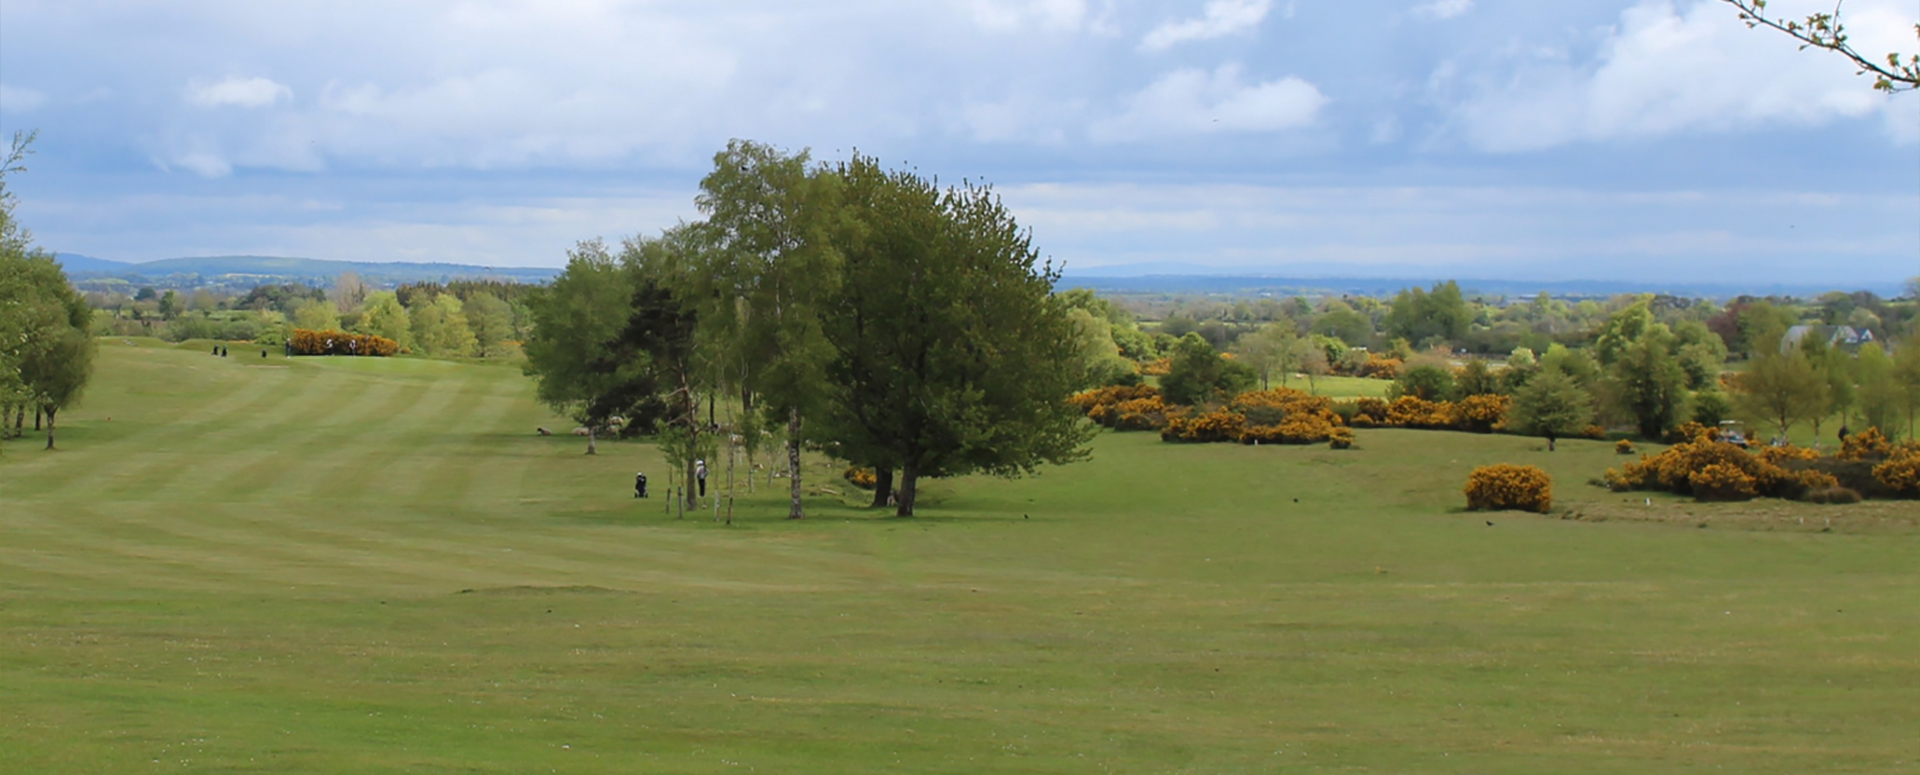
249,271
1253,286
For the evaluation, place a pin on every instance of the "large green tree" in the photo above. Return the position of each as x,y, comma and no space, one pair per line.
1273,349
1197,374
383,316
1906,373
440,326
949,354
491,322
1550,404
1782,389
1647,383
1427,318
761,272
1881,399
571,354
46,347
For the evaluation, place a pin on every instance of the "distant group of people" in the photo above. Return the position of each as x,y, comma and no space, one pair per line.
699,476
222,351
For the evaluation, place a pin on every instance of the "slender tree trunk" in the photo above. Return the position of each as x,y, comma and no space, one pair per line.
732,454
691,493
793,465
591,450
36,417
746,413
882,487
909,485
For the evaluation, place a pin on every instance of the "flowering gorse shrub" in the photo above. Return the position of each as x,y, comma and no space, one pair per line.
1198,426
1869,444
306,342
1785,452
1623,447
1721,482
1122,407
863,478
1278,416
1483,413
1901,472
1506,486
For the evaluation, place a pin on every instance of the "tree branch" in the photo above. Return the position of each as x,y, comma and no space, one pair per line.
1825,30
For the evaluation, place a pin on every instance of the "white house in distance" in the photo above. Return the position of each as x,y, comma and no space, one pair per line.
1844,337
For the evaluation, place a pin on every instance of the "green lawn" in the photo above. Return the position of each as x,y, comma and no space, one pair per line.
1338,387
339,565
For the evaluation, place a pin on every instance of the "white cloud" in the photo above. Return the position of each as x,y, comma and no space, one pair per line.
242,92
1218,19
1021,15
1443,9
1192,101
206,165
1664,71
14,99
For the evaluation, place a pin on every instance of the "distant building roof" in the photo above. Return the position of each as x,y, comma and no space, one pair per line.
1836,336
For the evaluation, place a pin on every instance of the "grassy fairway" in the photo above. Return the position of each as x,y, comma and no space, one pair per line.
333,565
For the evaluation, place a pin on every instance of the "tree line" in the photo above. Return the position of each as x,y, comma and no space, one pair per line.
888,320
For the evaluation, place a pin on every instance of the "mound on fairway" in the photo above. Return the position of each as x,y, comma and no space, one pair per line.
375,565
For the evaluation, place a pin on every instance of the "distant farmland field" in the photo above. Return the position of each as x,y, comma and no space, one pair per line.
375,565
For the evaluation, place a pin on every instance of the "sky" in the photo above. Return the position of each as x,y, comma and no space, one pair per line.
1508,139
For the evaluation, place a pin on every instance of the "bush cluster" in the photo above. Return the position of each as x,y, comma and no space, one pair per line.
1124,407
1869,444
1722,482
1623,447
1341,438
1477,414
1376,366
1901,472
1709,469
306,342
1278,416
1505,486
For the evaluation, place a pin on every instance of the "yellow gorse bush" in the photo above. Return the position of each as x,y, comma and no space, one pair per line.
306,342
1506,486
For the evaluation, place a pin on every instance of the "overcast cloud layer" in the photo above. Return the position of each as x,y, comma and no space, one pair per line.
1480,138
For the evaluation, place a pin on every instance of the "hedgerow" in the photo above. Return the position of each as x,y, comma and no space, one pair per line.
306,342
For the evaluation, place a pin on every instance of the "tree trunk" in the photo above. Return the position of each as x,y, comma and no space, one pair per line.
909,484
36,425
36,418
590,439
691,495
882,487
731,455
793,465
